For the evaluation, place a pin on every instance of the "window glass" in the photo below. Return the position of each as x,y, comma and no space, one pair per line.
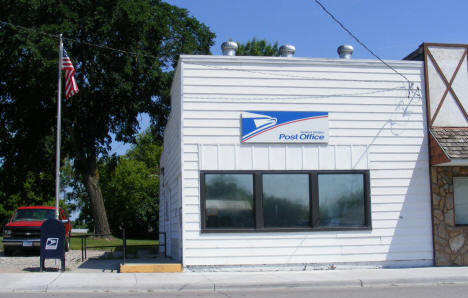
460,196
286,200
341,199
34,214
229,201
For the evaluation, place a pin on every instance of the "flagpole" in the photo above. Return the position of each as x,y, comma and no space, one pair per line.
59,128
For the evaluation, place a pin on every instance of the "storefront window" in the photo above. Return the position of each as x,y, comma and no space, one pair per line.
460,196
286,200
247,201
341,199
229,201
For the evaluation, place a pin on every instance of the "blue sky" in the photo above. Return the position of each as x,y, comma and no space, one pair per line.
392,29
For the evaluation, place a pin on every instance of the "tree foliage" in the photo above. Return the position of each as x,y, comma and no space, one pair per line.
256,47
132,194
130,187
115,86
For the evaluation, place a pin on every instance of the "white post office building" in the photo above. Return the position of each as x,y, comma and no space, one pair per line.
302,163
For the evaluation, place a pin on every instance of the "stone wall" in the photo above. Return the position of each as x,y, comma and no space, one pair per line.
450,241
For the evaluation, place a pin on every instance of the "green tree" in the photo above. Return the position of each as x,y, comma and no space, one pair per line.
114,86
132,193
256,47
147,149
76,197
130,187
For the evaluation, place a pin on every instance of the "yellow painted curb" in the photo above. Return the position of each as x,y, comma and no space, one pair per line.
148,268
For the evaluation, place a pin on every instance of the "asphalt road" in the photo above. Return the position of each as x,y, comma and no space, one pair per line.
447,290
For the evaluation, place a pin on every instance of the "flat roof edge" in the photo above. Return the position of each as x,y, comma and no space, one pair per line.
294,60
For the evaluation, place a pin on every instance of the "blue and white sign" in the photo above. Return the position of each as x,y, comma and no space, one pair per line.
51,243
284,127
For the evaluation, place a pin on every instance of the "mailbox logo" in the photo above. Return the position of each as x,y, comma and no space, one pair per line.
51,243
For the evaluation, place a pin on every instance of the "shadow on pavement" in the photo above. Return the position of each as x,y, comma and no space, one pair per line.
104,263
24,253
37,269
109,263
97,261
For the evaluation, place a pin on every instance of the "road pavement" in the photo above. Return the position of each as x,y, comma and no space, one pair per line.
431,291
76,282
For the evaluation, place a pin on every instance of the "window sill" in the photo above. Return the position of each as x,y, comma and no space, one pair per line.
273,230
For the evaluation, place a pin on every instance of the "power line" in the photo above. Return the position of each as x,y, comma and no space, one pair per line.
28,29
14,26
17,27
279,75
305,97
360,42
76,40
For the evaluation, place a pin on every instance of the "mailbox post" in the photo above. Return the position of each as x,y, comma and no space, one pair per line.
52,242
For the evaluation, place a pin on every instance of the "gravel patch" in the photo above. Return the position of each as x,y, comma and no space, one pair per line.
29,262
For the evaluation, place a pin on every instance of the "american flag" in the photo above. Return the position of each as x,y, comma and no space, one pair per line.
70,84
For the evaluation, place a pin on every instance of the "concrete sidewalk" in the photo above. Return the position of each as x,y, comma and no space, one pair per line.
225,281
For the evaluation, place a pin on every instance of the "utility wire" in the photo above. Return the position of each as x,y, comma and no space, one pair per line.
14,26
76,40
282,74
304,97
360,42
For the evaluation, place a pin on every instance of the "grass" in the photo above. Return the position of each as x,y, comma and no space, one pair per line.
93,243
114,244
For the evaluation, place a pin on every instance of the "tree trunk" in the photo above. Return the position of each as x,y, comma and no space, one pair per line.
87,166
91,181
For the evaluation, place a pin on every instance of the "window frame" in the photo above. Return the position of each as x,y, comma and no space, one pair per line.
313,202
454,207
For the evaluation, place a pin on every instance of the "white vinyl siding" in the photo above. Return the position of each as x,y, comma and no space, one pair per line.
374,123
170,199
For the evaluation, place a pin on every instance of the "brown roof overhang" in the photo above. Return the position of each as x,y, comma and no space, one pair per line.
448,146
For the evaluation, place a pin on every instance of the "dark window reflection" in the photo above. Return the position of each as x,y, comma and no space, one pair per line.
341,199
229,201
460,197
286,200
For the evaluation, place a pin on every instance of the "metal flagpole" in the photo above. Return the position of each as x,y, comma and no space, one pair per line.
59,128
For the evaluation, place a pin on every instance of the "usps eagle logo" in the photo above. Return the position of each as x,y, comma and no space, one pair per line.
260,122
51,243
284,127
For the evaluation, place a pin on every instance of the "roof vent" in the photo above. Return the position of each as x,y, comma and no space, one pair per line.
345,51
287,50
229,48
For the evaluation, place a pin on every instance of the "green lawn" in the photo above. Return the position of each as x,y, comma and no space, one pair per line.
96,242
76,243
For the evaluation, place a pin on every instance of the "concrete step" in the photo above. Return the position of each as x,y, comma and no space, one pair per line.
150,268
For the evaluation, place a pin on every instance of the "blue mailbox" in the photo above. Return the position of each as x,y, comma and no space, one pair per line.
52,242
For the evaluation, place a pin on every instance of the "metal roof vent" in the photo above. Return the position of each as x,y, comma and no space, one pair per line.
229,48
345,51
287,50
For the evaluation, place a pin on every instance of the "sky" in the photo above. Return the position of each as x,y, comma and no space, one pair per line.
392,29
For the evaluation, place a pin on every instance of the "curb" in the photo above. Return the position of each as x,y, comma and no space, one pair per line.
181,282
216,287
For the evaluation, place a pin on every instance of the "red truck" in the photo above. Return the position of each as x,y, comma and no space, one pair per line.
23,230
